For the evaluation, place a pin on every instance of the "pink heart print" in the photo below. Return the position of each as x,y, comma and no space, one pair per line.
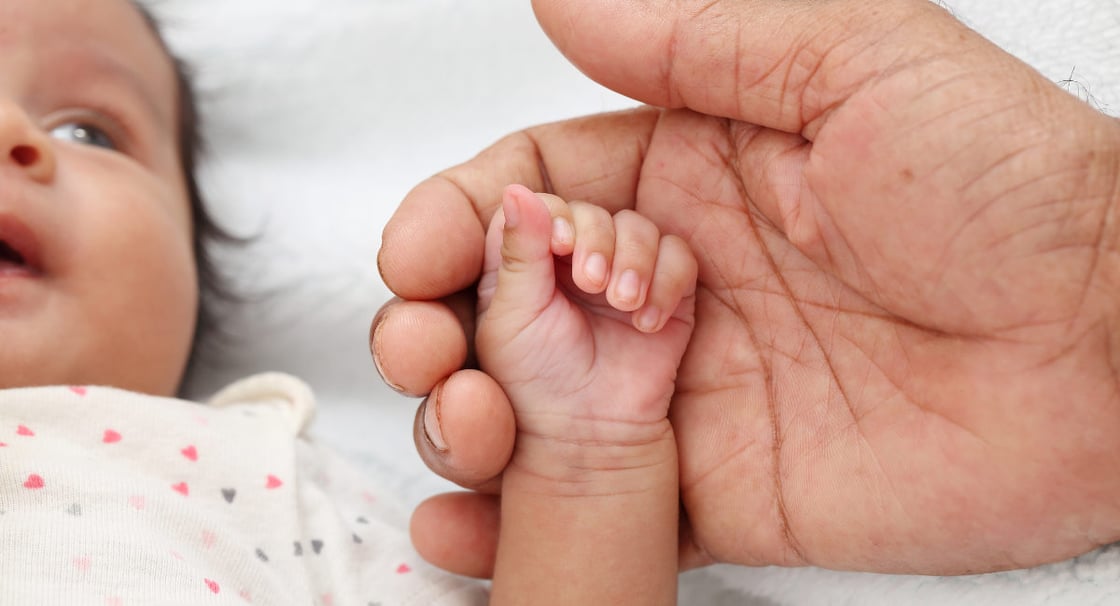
190,452
111,437
34,482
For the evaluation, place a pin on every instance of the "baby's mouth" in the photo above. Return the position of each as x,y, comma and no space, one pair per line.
11,261
9,255
19,249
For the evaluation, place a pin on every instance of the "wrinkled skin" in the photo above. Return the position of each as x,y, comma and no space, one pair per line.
906,352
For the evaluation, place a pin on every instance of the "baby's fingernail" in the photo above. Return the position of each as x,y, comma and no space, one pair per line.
648,319
562,233
629,286
432,428
596,269
512,211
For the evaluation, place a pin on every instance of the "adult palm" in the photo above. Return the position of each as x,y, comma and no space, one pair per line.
906,351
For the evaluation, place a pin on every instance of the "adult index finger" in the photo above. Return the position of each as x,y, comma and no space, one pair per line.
432,246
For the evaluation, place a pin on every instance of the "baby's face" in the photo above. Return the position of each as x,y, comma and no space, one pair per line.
97,276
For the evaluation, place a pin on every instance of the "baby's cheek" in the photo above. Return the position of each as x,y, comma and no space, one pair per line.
148,309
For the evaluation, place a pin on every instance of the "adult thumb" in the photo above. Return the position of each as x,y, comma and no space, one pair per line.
776,63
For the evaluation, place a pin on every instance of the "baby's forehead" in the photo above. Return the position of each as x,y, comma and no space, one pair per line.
110,30
81,43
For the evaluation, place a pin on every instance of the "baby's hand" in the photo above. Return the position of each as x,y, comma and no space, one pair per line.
583,321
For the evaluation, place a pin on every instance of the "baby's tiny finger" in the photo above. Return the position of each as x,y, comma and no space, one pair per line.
594,250
674,278
563,233
635,253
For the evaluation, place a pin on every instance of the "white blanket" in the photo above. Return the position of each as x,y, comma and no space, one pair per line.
321,114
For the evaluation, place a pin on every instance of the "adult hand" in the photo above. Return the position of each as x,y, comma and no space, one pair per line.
907,350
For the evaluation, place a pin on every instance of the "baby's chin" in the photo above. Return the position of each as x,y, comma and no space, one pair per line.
21,377
52,369
26,359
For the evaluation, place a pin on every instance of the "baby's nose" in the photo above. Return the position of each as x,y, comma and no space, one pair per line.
23,145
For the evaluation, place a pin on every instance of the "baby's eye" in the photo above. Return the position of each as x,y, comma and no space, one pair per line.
86,134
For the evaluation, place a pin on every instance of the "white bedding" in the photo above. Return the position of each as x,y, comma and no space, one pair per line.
321,114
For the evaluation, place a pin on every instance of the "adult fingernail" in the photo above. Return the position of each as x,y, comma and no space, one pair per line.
375,349
432,428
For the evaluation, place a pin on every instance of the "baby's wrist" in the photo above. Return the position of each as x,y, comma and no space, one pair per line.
590,466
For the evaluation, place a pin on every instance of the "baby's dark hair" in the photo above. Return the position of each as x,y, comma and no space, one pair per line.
213,286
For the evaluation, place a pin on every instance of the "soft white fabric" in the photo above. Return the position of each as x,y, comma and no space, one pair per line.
323,113
111,497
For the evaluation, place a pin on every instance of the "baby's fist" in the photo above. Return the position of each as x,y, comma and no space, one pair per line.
581,307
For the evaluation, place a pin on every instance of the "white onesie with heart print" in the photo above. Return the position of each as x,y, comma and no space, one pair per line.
112,498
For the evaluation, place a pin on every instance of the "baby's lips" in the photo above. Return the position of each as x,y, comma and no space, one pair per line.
18,244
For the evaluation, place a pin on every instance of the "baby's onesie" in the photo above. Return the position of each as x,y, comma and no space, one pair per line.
112,498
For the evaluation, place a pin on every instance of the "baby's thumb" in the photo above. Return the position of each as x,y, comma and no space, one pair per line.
526,269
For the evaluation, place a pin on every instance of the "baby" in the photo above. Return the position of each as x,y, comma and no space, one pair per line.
112,492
